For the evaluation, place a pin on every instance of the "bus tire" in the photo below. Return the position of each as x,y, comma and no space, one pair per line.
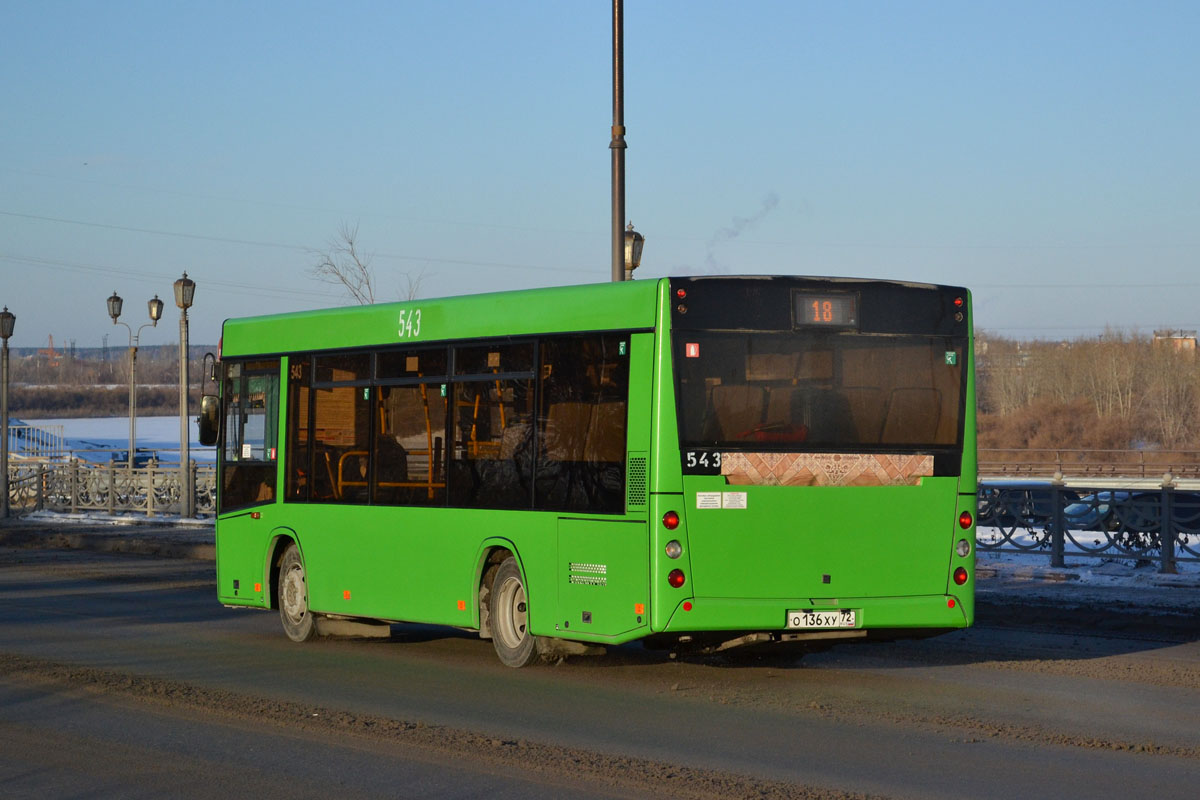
508,615
292,591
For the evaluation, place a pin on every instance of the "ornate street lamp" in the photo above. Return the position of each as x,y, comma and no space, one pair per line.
634,242
7,320
114,310
185,290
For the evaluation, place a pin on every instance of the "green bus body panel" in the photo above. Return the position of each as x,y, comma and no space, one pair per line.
241,556
603,578
419,565
627,305
822,541
883,548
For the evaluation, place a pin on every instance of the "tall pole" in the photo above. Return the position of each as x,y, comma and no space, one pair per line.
185,290
618,144
7,321
132,398
4,429
187,497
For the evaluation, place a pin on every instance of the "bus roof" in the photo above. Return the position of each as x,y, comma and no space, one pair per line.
591,307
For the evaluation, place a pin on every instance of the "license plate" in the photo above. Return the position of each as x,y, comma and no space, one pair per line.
809,619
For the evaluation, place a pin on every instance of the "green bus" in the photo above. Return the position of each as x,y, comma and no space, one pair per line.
697,462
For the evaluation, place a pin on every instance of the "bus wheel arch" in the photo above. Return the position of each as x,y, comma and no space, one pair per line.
280,542
507,605
492,554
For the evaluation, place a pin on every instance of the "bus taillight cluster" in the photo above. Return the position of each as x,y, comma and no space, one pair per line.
674,549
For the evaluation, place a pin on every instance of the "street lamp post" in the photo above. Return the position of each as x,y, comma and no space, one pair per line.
185,290
114,310
617,144
7,319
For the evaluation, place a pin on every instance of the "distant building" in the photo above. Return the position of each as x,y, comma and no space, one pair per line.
1182,341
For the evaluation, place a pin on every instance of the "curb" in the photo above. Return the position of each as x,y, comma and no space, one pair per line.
194,542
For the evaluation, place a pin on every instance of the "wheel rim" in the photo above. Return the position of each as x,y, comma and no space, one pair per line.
295,598
513,613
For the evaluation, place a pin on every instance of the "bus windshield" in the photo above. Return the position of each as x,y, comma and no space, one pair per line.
817,390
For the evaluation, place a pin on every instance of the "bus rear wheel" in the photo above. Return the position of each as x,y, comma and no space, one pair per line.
292,594
508,614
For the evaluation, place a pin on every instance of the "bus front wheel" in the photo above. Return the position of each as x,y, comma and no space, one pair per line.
292,590
508,614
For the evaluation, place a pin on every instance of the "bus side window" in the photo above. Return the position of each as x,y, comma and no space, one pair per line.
299,450
410,436
582,424
491,463
252,425
341,428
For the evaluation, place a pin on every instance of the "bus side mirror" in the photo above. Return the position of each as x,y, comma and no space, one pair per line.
210,419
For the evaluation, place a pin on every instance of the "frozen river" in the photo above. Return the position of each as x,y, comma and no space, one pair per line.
112,433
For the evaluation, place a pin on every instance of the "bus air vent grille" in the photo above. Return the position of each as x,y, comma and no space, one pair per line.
637,482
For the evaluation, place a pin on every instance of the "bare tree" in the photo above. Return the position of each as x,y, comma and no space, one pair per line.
412,285
343,263
1172,395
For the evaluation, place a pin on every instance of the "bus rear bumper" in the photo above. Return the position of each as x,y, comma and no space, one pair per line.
872,616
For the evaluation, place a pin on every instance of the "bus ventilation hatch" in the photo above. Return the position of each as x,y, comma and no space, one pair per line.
636,482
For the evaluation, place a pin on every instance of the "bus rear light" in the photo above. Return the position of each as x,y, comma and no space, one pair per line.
960,576
963,548
959,302
965,519
676,578
681,293
687,605
674,549
670,520
950,602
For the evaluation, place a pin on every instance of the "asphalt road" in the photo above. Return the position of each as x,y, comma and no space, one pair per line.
120,675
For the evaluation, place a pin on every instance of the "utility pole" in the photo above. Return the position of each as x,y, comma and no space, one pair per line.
618,144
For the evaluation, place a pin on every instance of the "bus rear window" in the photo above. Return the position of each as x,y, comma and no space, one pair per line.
819,391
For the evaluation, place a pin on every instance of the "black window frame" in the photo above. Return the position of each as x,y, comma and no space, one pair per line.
267,468
446,384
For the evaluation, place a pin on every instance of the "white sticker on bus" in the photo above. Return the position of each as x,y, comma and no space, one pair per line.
733,500
708,499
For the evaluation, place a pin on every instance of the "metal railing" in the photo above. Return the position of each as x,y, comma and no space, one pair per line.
1156,525
36,441
77,486
1152,464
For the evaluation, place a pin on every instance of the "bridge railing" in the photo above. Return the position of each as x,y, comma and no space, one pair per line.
36,441
1146,524
78,486
1082,464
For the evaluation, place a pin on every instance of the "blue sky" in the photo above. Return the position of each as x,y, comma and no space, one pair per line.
1044,154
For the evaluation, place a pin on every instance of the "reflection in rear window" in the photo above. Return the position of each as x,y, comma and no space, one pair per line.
819,391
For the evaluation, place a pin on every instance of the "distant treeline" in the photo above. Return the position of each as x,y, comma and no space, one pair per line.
1114,391
41,385
41,402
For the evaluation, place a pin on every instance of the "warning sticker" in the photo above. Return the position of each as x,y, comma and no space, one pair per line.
733,500
708,499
